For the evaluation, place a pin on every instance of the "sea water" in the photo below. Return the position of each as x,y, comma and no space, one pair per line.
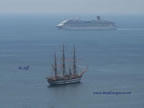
115,60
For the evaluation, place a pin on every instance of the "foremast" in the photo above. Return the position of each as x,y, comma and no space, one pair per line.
54,66
74,63
63,62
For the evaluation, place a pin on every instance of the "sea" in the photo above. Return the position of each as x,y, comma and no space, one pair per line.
115,60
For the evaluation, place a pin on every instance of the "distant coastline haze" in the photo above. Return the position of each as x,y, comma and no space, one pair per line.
73,6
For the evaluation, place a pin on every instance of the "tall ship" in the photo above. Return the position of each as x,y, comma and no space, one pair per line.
97,24
65,74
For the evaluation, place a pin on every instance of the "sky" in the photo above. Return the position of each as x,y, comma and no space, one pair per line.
73,6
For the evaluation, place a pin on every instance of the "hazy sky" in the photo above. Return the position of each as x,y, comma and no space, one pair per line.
72,6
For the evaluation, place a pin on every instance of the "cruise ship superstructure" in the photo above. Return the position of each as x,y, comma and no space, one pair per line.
97,24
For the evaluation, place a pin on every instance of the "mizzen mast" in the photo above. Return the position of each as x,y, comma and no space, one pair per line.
63,62
74,62
55,65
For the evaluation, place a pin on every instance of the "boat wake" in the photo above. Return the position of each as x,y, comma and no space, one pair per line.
131,29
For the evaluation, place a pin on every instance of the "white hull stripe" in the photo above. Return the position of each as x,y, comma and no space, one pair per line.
97,28
66,81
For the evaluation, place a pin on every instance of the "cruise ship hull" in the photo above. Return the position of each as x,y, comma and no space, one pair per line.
87,28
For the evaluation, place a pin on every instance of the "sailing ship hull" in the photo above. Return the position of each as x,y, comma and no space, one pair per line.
64,81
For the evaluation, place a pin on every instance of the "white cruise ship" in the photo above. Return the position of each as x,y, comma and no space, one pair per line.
98,24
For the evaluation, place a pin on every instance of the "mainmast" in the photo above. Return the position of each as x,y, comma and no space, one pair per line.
55,65
74,62
63,62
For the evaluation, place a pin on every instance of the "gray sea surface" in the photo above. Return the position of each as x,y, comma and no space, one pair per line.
115,60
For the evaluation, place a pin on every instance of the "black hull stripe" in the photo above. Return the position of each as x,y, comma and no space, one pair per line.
65,81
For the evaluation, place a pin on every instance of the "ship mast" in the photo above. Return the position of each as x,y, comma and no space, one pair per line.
55,65
63,62
74,62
